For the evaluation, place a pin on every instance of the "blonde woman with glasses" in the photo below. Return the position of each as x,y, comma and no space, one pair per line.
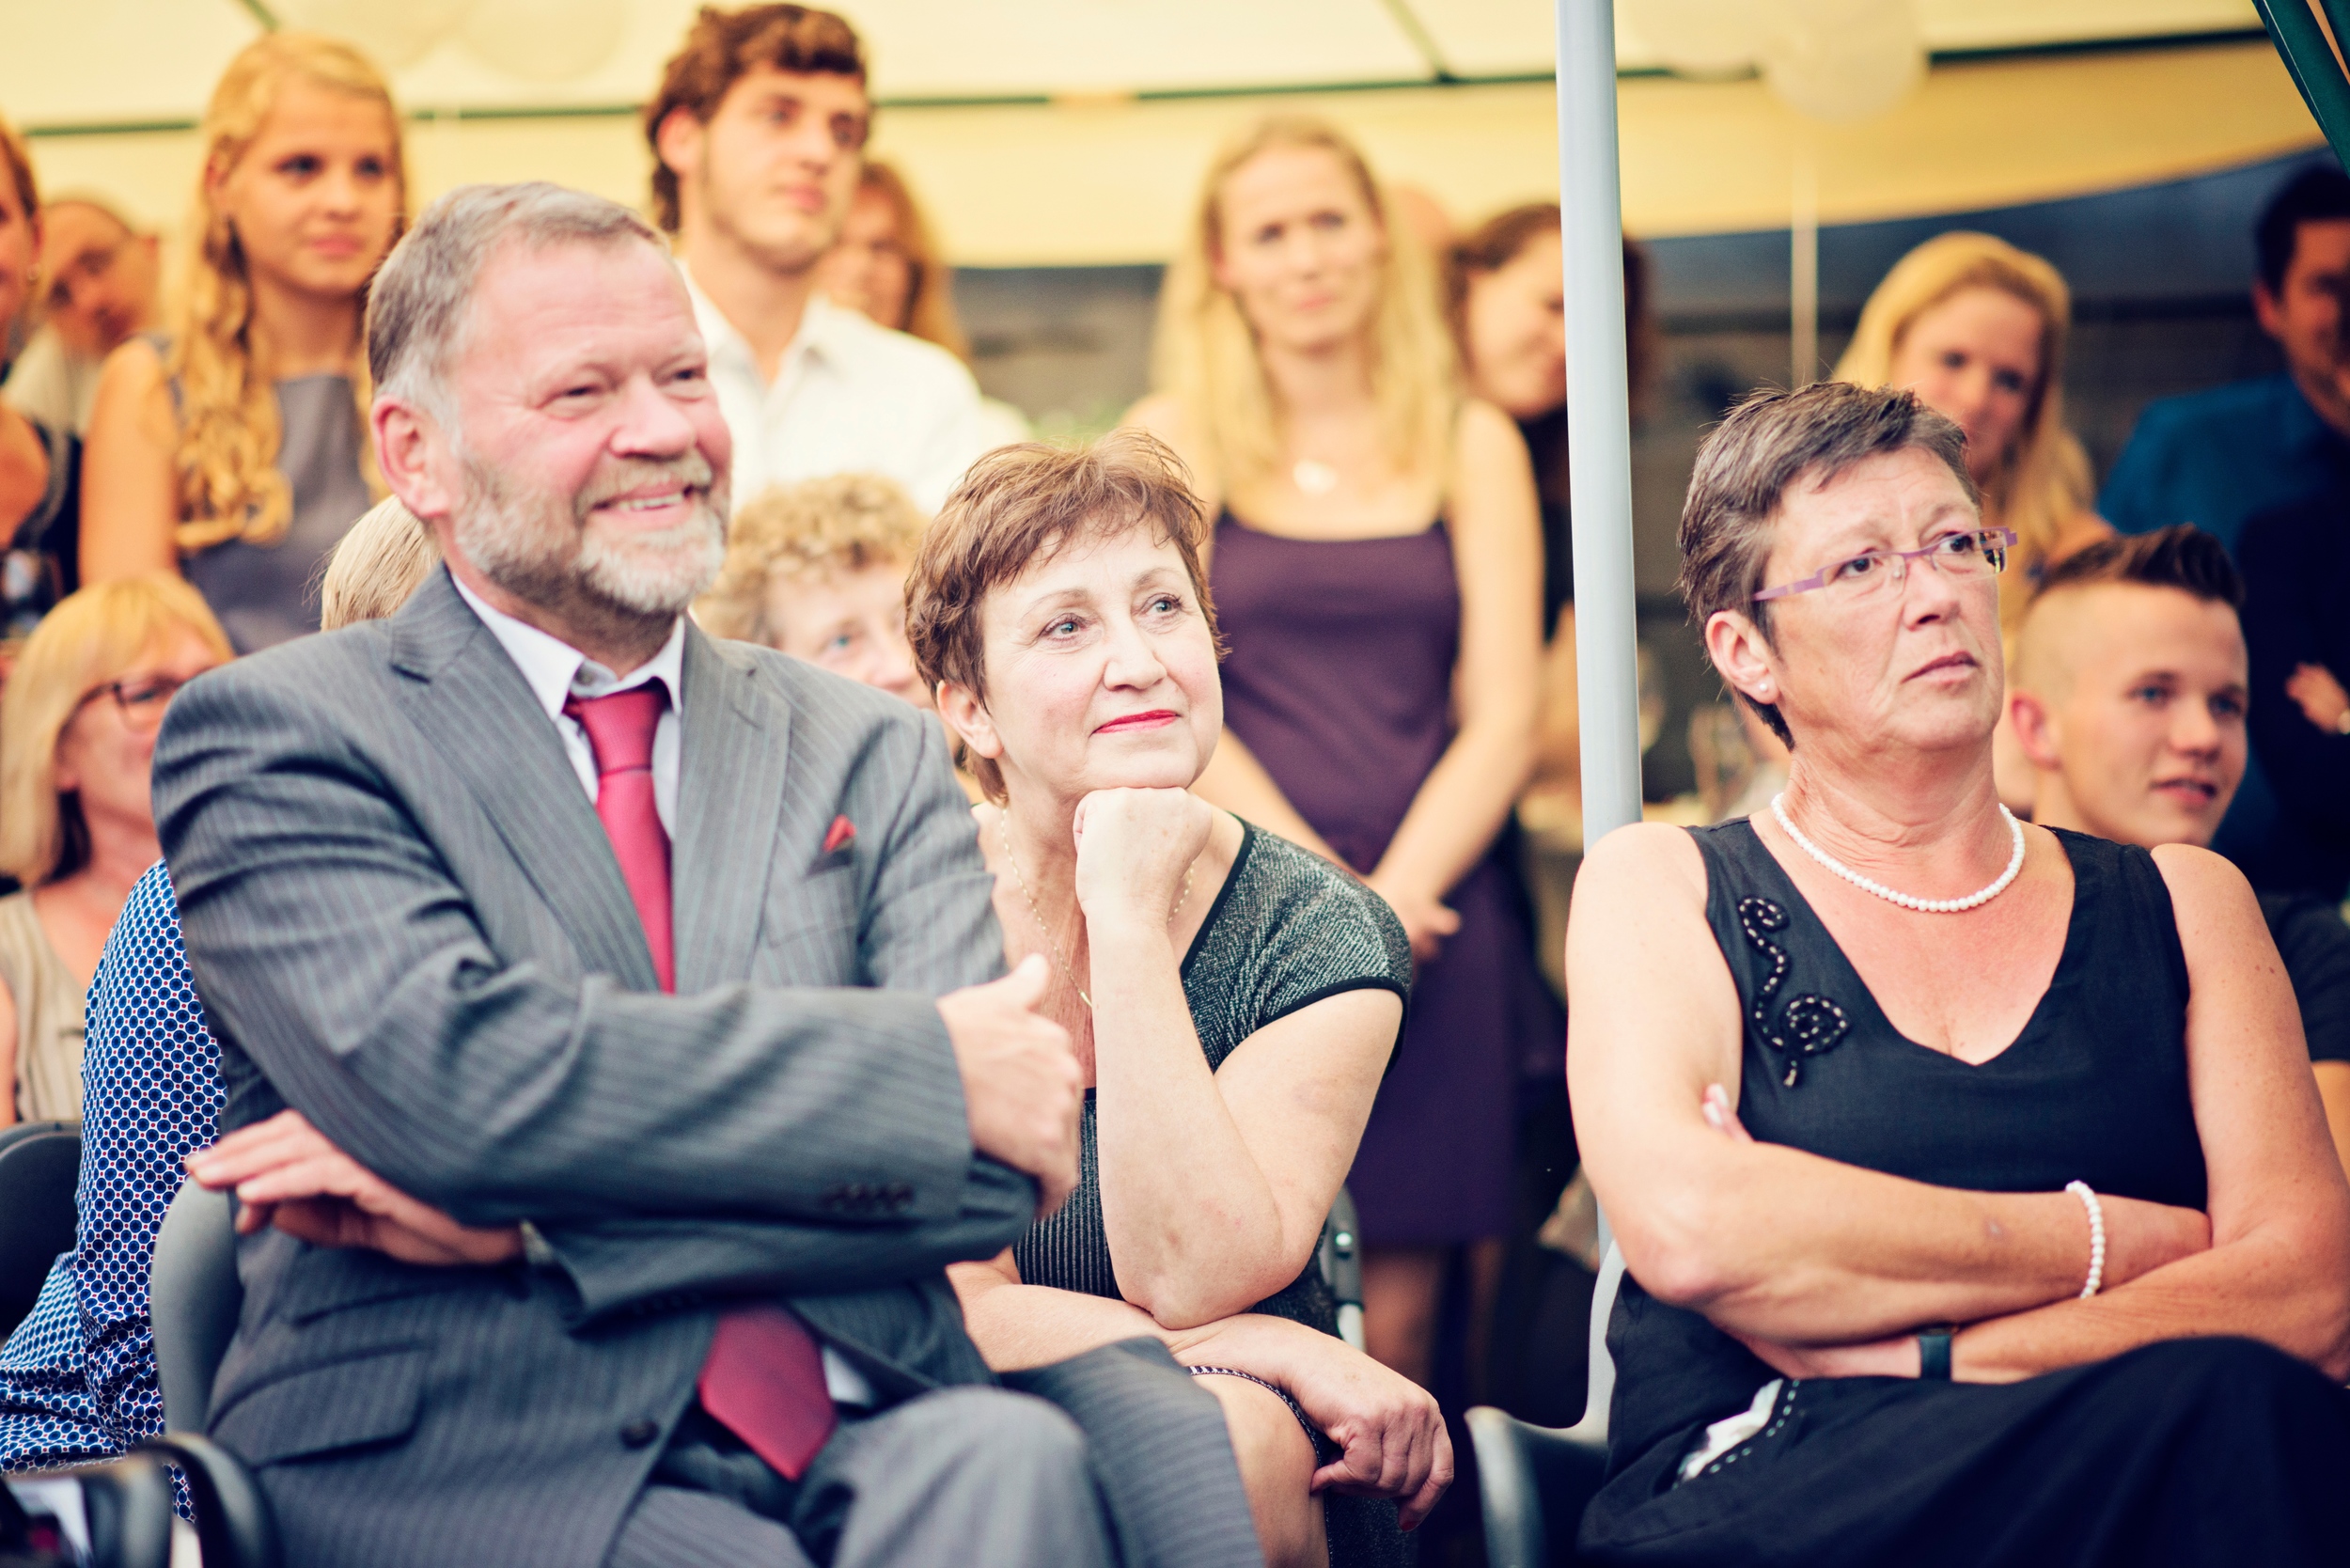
1377,562
77,734
234,448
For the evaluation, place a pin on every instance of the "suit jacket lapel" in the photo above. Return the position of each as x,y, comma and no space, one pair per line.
471,702
736,744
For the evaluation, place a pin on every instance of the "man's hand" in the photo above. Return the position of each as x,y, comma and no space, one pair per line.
1393,1435
1133,849
2323,701
286,1173
1022,1087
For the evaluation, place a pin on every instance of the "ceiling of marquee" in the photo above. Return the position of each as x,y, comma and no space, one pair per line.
116,62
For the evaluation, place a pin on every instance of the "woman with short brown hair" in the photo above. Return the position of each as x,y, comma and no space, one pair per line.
1973,1191
1233,998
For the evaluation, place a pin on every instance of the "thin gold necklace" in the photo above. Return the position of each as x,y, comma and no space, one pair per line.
1003,826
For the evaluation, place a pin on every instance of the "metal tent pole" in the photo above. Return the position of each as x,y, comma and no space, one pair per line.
1599,418
1599,440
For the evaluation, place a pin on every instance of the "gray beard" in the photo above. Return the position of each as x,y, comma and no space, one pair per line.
550,552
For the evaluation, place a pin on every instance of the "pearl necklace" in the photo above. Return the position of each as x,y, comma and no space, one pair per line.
1867,885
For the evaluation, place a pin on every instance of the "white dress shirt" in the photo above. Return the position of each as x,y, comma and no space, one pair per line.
555,671
848,398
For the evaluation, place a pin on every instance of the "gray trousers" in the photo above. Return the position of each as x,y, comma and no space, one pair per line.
964,1475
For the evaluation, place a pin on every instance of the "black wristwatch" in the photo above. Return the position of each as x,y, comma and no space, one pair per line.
1934,1353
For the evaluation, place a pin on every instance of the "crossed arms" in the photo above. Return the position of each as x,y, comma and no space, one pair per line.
660,1143
1825,1269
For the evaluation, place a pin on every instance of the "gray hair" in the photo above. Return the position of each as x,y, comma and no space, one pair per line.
1749,462
419,306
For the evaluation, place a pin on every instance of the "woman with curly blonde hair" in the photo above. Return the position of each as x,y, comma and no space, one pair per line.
1376,562
234,450
1977,328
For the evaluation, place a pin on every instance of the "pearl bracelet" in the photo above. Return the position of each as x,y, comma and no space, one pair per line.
2096,1236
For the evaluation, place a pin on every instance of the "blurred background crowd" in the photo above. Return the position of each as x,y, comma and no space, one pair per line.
2096,235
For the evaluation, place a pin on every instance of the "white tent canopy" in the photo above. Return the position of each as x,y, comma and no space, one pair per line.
145,61
1061,131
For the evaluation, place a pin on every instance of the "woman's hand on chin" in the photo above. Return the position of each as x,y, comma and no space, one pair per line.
1134,847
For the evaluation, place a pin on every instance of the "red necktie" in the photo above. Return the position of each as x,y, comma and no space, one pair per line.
620,728
764,1376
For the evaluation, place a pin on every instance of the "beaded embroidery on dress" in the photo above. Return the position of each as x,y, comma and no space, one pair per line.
1810,1024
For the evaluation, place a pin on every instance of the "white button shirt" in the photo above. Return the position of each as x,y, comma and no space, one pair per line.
848,398
555,671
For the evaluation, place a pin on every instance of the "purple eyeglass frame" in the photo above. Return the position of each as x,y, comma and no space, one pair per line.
1819,579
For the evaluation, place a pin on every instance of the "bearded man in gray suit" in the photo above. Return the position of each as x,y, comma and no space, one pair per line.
607,1015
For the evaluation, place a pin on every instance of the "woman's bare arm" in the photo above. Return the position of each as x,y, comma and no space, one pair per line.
1498,556
1768,1242
130,495
1215,1185
1391,1432
2278,1265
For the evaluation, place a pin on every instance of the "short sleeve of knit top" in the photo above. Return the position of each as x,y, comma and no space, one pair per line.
1288,929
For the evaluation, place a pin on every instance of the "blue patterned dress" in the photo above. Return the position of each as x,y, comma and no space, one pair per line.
77,1378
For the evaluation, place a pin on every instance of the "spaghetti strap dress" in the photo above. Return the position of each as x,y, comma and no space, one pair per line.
1340,681
2202,1450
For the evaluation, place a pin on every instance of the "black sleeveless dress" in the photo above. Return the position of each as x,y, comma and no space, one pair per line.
1285,930
2188,1451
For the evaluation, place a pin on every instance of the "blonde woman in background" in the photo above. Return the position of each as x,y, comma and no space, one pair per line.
1376,564
77,737
1977,329
888,268
234,450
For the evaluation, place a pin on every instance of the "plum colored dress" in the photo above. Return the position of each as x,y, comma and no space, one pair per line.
1339,680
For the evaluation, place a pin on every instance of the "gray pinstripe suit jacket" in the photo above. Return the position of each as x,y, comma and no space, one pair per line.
405,920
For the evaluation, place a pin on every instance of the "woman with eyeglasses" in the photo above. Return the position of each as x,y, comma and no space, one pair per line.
1973,1191
77,736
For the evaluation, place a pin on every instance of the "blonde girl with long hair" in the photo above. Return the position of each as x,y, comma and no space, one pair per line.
1376,566
234,450
77,737
1977,328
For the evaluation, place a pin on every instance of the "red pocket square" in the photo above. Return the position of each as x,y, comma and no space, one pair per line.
841,833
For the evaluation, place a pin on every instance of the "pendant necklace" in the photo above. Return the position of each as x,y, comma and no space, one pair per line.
1315,478
1003,825
1929,906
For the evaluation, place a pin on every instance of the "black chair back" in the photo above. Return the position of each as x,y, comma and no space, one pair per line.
39,1162
112,1516
193,1299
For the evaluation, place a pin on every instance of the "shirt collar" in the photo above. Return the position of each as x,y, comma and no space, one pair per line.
555,671
819,334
